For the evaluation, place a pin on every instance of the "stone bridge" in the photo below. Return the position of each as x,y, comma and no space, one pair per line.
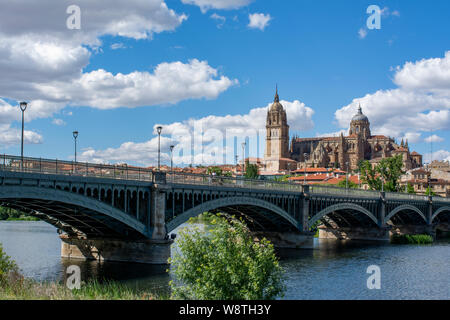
114,212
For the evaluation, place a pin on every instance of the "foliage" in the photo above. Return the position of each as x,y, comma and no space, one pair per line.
351,184
410,189
429,192
225,263
282,178
6,266
251,171
412,239
388,170
14,215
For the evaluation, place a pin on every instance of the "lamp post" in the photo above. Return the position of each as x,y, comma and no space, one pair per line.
171,158
159,129
305,155
75,136
243,157
23,106
346,175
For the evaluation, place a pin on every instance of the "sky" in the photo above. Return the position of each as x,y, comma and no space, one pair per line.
206,71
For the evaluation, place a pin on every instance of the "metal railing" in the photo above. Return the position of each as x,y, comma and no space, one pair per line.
317,189
125,172
405,196
60,167
234,182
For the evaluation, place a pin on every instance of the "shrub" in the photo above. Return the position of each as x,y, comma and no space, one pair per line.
412,239
225,263
7,266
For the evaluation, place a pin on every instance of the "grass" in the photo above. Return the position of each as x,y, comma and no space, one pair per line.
14,286
22,218
20,288
412,239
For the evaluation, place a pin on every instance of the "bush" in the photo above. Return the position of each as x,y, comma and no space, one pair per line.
412,239
225,263
6,266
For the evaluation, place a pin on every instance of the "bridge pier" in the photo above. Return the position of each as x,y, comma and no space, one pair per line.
145,251
288,240
354,233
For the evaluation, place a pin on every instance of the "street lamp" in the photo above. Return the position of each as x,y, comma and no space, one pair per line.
171,158
243,157
159,129
305,155
346,175
75,136
23,106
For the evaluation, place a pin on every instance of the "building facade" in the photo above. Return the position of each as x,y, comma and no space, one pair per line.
344,152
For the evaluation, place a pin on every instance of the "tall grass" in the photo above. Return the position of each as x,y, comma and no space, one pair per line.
412,239
14,286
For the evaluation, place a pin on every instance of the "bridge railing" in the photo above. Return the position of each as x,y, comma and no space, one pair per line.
343,191
234,182
404,196
60,167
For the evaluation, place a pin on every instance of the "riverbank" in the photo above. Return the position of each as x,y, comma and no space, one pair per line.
27,289
8,214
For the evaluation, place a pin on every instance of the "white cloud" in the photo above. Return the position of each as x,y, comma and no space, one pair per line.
42,61
259,20
434,138
206,5
221,20
169,83
11,136
421,103
204,138
362,33
59,122
116,46
440,155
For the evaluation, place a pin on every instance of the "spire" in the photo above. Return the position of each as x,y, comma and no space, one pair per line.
402,144
359,109
277,99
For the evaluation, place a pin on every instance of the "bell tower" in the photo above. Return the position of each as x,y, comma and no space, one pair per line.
277,134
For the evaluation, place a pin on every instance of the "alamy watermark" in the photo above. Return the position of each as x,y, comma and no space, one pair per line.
73,22
374,20
374,280
74,277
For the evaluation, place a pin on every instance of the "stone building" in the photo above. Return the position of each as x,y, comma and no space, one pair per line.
344,152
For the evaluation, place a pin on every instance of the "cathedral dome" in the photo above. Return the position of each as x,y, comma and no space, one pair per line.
360,116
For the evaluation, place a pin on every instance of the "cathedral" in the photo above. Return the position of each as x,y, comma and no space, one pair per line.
344,152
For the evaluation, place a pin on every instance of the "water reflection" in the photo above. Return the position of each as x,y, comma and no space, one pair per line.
332,270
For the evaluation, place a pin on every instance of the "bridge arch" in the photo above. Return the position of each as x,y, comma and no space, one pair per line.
340,207
402,208
222,203
439,211
91,205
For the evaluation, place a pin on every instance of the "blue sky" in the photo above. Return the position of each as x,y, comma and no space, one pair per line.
218,65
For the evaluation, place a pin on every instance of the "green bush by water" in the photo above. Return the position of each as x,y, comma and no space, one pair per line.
412,239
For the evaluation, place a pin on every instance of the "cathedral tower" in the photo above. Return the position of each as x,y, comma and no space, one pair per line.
277,134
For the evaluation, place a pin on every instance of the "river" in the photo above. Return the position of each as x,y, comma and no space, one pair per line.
333,270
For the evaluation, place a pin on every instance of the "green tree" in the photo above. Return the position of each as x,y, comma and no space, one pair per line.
251,171
217,170
388,170
225,263
410,189
351,185
6,266
429,192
